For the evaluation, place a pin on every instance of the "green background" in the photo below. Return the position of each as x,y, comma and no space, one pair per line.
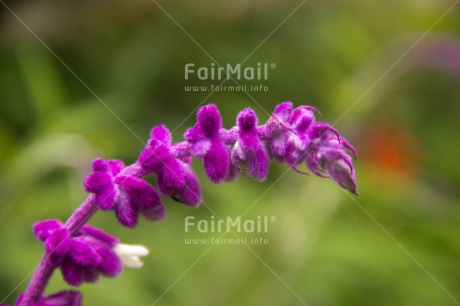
87,79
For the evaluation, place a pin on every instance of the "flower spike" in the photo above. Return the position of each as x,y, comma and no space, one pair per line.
83,253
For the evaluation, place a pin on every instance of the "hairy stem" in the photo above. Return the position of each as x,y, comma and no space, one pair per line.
81,215
39,280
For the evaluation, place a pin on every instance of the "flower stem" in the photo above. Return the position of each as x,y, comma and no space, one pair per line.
39,280
80,216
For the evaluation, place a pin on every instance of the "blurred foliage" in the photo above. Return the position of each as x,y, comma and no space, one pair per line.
94,76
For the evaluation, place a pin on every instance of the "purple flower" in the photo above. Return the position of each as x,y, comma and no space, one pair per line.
328,157
293,136
175,177
206,143
276,124
84,253
287,133
62,298
125,194
83,257
248,149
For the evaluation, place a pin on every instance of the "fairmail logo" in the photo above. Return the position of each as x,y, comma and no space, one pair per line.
227,72
229,224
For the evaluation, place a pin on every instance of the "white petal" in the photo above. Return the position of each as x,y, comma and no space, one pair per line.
132,262
131,250
129,254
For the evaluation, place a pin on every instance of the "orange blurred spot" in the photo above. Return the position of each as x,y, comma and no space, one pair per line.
393,148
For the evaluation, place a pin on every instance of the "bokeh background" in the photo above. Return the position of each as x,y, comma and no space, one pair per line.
386,74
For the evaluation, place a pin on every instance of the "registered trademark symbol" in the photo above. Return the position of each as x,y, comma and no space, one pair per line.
272,65
273,219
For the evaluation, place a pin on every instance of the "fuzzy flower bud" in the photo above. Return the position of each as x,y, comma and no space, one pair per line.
83,257
126,195
175,177
206,144
328,157
248,149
